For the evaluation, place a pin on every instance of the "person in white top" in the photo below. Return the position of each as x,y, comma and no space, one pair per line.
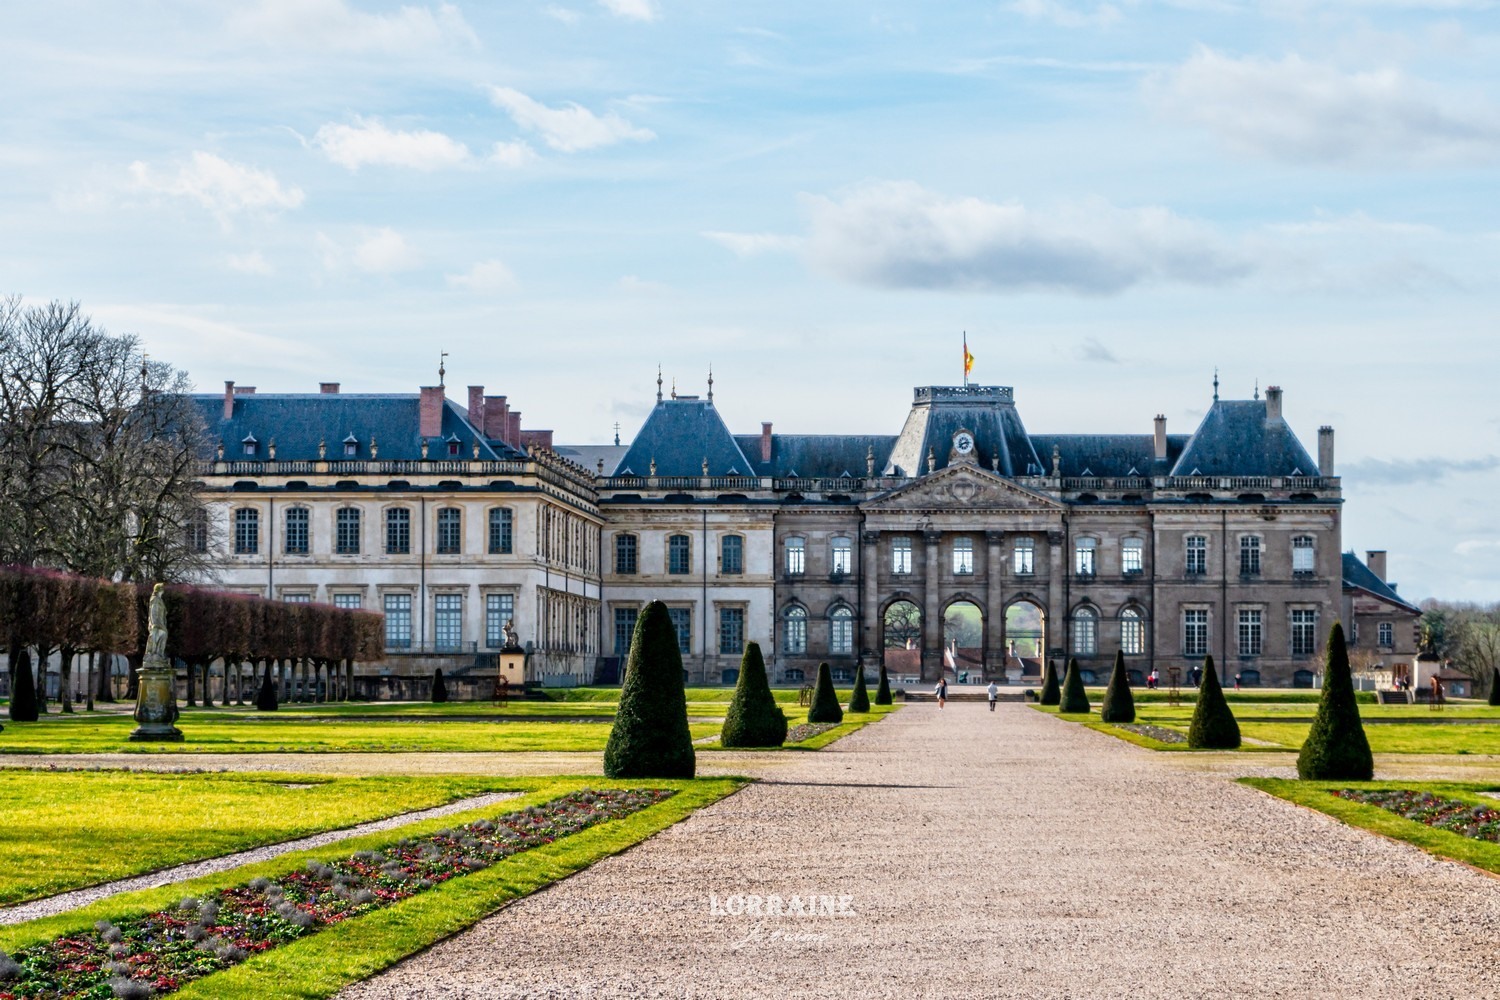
994,692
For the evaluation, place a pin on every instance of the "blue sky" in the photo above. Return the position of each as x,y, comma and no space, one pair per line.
816,198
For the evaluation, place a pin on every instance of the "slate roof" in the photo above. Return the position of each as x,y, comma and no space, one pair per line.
679,434
1107,454
817,455
298,421
1237,439
590,455
1359,576
932,423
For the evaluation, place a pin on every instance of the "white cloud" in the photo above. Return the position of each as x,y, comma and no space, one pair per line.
487,276
566,15
569,128
1067,16
384,251
511,154
368,141
754,244
219,185
1293,109
632,10
900,235
335,26
253,262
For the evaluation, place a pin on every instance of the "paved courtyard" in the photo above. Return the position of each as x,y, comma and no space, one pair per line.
1004,855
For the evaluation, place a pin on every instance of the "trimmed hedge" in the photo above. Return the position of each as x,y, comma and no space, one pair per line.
439,687
1213,726
1119,703
1336,748
23,707
650,737
825,702
883,692
859,701
1051,693
1074,699
754,719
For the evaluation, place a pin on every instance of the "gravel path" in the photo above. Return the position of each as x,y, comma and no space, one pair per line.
988,855
65,901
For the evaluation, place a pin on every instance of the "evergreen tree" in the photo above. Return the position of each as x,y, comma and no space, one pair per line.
1119,703
1051,693
1074,699
1495,689
825,702
650,737
883,692
265,698
23,694
754,719
859,701
1336,748
1213,726
439,687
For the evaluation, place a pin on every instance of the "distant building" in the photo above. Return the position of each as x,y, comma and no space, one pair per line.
1383,629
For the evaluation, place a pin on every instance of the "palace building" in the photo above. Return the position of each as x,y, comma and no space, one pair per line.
962,542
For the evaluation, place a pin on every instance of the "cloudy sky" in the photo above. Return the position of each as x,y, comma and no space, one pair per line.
1112,198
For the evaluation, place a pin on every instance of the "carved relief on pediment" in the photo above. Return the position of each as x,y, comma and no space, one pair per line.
962,489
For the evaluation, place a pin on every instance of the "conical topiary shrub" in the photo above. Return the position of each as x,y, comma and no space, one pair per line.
1119,703
825,702
650,737
439,687
23,697
859,701
266,699
754,719
1051,693
1074,699
1336,748
883,692
1213,726
1495,689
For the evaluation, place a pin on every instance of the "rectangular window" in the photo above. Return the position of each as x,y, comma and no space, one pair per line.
197,532
625,629
1197,556
498,609
1302,555
731,631
449,531
1249,555
1386,635
1250,632
900,556
1133,556
1025,556
397,621
963,556
1083,556
349,602
1195,632
682,621
346,534
247,531
796,556
397,531
843,557
296,531
502,531
297,598
732,555
625,555
447,623
1304,632
679,554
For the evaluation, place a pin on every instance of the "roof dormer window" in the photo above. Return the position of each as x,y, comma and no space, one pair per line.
351,446
250,446
454,445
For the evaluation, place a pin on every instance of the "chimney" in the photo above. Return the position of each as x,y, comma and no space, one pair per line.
1273,402
430,420
476,407
1375,559
1325,452
328,388
228,400
765,441
495,409
513,429
1161,437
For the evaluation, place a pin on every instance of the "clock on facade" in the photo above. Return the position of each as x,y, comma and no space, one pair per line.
963,442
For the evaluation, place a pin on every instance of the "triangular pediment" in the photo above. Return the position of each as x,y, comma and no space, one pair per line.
961,487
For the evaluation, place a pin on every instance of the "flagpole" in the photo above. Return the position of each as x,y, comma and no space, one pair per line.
966,359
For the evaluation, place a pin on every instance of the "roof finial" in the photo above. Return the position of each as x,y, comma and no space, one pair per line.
442,368
710,382
1257,388
617,434
658,383
674,386
1216,383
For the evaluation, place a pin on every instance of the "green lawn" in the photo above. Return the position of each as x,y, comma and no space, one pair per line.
1315,795
67,829
322,964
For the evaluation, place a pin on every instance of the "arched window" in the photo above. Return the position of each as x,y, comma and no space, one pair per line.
502,530
297,539
794,630
247,531
346,533
1132,633
1085,632
450,523
679,555
841,631
627,549
1133,556
397,531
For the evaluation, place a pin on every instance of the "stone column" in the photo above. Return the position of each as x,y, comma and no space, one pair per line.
932,622
869,627
994,604
1056,627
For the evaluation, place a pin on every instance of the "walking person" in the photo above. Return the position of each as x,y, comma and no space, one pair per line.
994,693
942,691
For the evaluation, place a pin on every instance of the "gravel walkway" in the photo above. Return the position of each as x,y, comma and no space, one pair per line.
65,901
988,855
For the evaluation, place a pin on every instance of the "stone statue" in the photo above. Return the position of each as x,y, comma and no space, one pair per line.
156,643
511,642
156,698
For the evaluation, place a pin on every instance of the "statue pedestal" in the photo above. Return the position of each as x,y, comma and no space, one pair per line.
156,704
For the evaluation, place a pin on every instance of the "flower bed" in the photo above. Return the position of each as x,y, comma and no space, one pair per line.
160,952
1158,733
1453,815
807,730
